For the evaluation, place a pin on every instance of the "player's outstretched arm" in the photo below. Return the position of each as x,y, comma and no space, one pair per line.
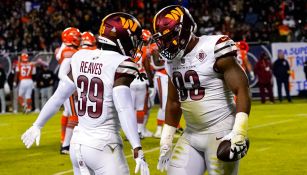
172,118
65,66
64,90
126,114
237,81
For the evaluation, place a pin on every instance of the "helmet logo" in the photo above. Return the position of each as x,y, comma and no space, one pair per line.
128,23
101,30
174,14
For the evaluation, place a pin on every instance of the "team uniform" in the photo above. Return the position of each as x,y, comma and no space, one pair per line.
242,58
25,71
161,86
139,91
96,139
69,118
102,79
208,108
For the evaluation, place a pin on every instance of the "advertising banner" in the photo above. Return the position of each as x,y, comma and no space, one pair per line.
296,55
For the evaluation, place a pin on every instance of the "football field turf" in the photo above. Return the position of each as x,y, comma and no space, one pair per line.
278,135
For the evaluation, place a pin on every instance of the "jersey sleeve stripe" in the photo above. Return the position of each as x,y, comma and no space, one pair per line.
127,70
126,63
225,51
222,46
223,39
119,75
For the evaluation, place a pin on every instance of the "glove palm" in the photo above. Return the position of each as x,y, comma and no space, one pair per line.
164,158
31,135
141,164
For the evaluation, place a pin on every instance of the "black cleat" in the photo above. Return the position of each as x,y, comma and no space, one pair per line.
64,150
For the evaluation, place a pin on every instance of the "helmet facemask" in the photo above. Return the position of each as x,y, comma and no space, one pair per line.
131,45
173,44
174,26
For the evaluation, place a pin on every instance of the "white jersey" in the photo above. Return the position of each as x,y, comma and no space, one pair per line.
94,72
204,96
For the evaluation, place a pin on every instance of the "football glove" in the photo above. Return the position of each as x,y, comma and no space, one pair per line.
164,158
238,137
31,135
141,164
166,143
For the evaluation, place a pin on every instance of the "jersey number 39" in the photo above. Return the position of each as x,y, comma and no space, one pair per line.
91,91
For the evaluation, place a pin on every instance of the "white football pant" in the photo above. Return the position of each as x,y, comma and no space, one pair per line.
138,94
196,153
108,161
25,88
161,85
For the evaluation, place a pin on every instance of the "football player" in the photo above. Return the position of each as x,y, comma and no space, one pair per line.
102,79
243,59
88,41
71,38
160,82
140,87
204,75
24,73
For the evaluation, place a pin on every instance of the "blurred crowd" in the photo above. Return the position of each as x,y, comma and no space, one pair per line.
37,24
45,82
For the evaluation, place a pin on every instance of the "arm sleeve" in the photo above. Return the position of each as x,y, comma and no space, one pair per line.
126,114
225,47
63,92
64,69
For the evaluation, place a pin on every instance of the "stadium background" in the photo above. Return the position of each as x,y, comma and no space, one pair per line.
35,26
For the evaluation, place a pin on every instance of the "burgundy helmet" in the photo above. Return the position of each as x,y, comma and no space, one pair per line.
173,27
122,31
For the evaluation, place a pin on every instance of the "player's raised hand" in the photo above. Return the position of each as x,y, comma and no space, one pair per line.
31,135
141,164
164,158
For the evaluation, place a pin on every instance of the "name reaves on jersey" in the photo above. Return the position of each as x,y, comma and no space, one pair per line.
92,68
